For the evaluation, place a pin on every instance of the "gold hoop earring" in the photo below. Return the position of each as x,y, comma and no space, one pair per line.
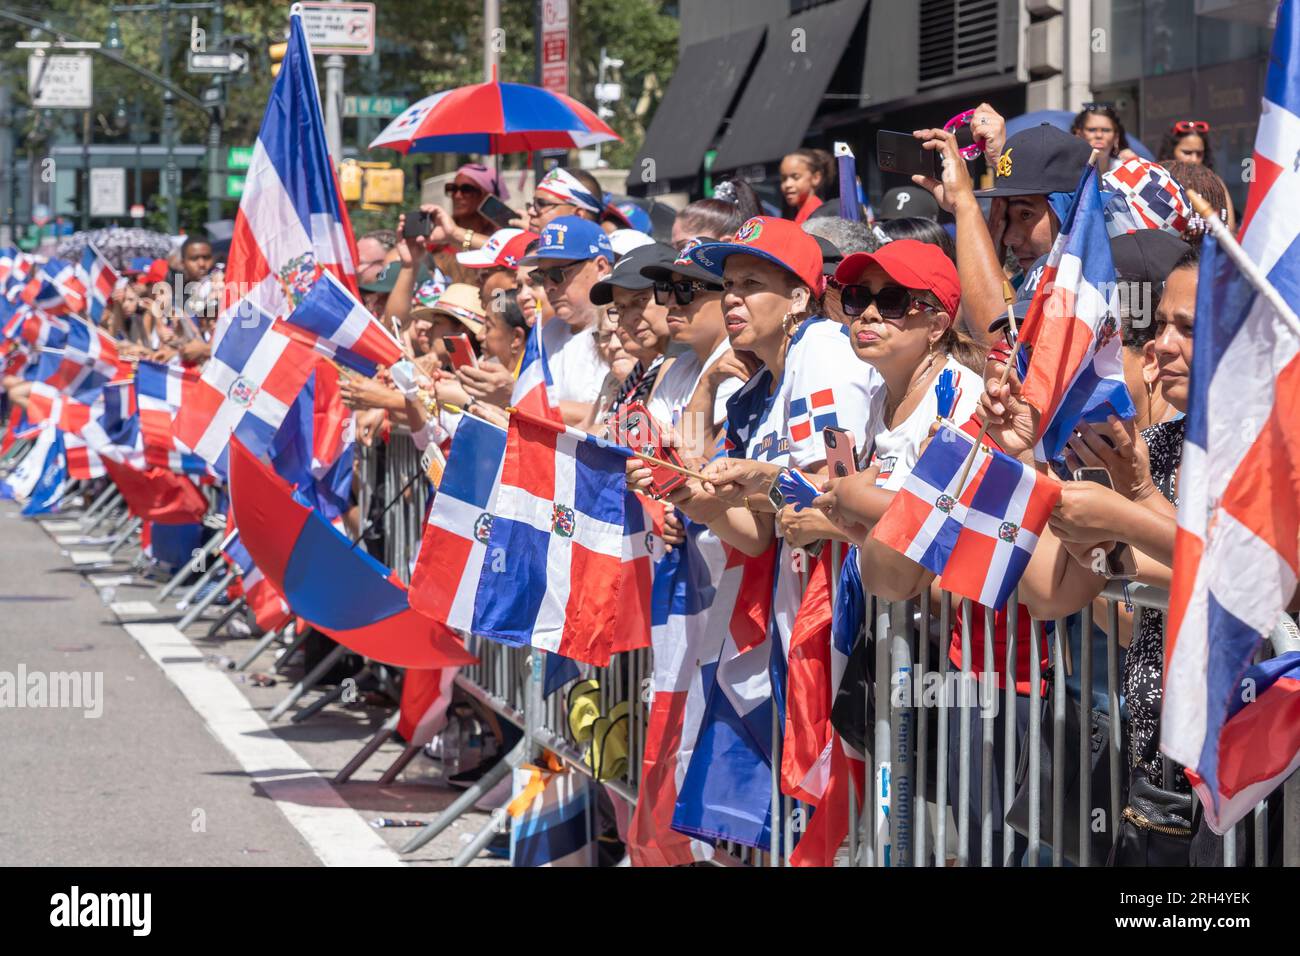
789,323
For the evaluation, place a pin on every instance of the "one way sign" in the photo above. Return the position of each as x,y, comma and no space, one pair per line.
232,62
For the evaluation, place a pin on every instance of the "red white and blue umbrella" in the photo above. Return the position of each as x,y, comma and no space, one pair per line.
492,118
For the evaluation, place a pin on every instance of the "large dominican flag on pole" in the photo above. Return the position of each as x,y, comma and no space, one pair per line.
1236,560
292,223
1071,334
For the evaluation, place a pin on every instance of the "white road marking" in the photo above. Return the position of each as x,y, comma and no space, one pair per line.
336,833
133,609
61,526
90,557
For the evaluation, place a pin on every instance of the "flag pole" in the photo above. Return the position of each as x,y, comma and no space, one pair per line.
1243,261
1006,371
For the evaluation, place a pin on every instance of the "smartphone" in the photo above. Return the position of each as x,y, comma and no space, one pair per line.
1100,475
903,153
841,452
494,210
1120,563
417,225
460,351
637,428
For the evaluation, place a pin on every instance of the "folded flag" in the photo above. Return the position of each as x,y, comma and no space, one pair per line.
980,540
533,391
89,361
255,373
159,389
426,695
267,604
558,523
643,548
100,280
56,288
330,320
1075,369
292,224
157,494
337,587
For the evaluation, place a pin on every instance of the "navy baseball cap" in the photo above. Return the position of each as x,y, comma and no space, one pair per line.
682,265
1038,161
627,272
571,238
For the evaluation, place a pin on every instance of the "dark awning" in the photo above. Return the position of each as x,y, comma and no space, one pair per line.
782,96
687,119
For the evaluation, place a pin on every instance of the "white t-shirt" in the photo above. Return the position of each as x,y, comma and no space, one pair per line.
825,383
896,450
680,380
577,369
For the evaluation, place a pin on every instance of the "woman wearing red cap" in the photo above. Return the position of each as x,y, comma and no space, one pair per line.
809,378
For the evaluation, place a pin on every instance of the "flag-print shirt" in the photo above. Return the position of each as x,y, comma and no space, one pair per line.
825,383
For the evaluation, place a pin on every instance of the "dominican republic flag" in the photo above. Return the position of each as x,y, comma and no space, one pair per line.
90,361
643,548
100,279
1235,558
557,524
687,634
313,450
20,268
979,539
43,332
726,792
1071,336
292,224
158,392
330,320
255,373
56,288
534,387
453,548
18,484
813,413
267,604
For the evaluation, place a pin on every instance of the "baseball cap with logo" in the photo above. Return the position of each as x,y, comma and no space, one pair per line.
682,266
627,271
912,264
1038,161
571,238
503,250
908,202
779,241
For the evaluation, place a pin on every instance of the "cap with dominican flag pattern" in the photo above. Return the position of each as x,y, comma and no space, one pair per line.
779,241
503,250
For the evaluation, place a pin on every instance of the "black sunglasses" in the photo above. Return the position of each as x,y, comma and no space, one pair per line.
683,291
556,274
892,302
452,189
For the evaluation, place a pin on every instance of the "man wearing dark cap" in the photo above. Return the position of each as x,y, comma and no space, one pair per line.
908,202
642,320
1035,176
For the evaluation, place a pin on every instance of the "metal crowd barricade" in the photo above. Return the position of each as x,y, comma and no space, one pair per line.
905,828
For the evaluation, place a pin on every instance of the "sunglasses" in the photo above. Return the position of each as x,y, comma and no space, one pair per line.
555,275
892,302
683,292
1191,126
539,206
468,189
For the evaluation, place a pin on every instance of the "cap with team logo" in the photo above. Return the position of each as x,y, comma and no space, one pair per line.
779,241
908,202
1038,161
571,238
627,273
683,266
503,250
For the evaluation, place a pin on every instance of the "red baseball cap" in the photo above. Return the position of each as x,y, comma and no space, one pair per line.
157,272
503,250
776,240
910,263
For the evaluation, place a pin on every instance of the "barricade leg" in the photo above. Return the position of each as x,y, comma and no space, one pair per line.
1085,736
107,515
103,500
283,661
197,586
320,703
380,738
207,601
124,535
1291,821
963,741
266,641
1034,741
308,681
1009,738
903,716
471,796
400,764
205,552
1058,733
225,617
481,839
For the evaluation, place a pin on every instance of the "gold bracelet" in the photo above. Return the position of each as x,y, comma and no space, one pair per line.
469,238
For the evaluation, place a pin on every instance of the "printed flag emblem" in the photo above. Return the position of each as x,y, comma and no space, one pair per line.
242,391
1007,531
562,521
945,503
817,411
483,528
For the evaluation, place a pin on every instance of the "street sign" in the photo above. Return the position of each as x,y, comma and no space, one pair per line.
233,61
137,211
60,82
234,187
385,106
339,27
108,191
555,46
239,157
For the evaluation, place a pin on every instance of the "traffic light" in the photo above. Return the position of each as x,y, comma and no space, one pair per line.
277,52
